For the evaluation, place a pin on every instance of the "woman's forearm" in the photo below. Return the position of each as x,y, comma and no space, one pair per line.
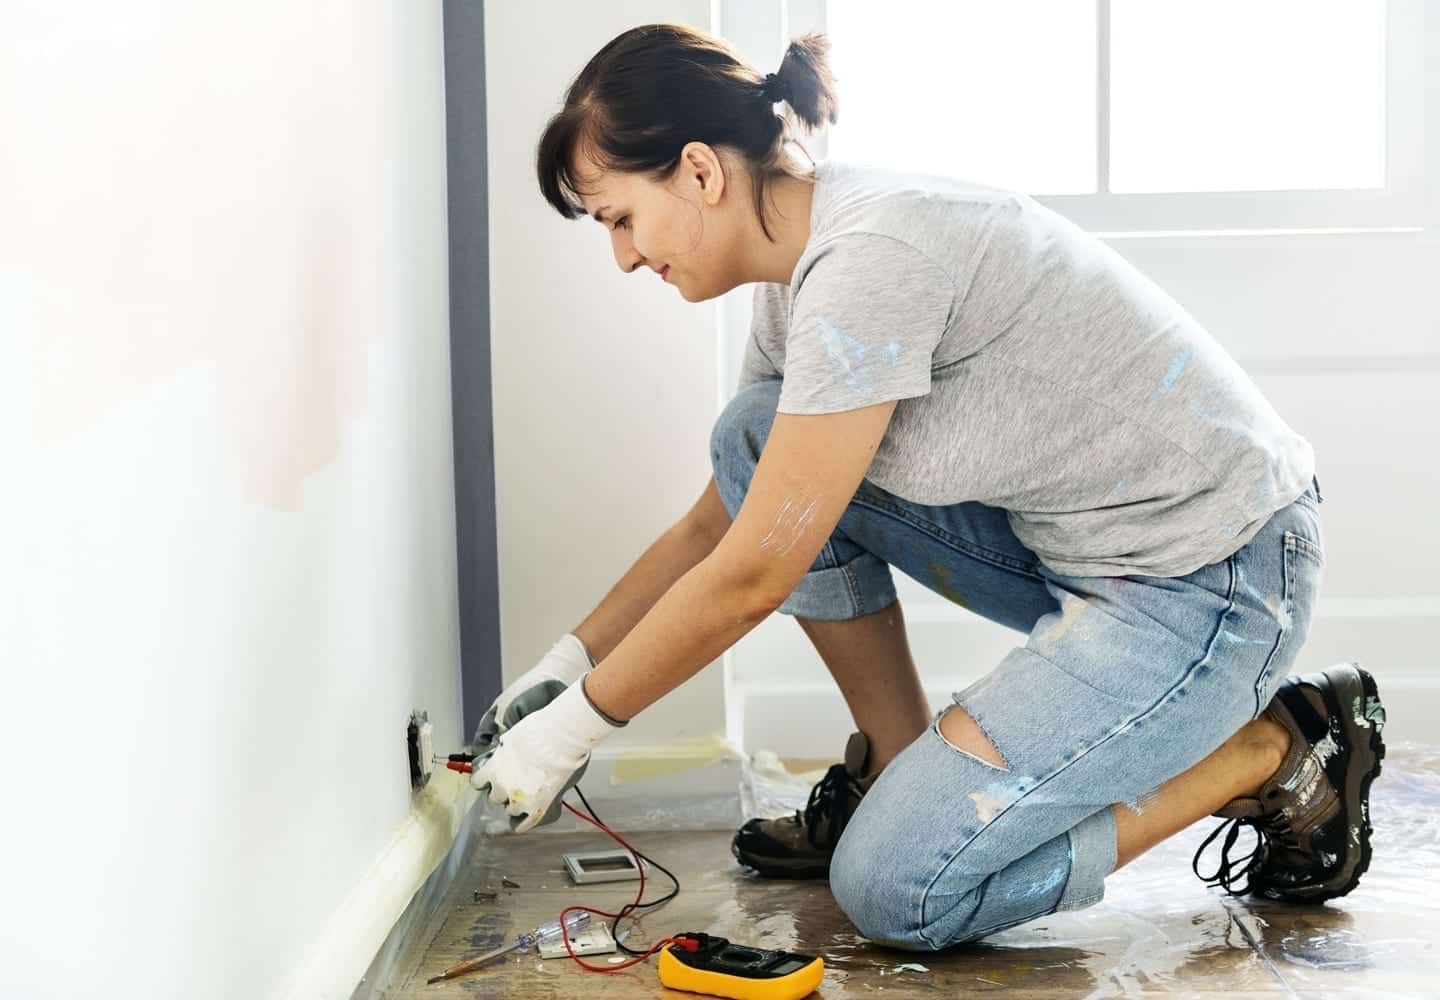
706,612
671,556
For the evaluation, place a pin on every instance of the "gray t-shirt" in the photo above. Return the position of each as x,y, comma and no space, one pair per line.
1036,370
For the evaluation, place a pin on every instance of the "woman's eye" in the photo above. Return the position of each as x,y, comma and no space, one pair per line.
623,222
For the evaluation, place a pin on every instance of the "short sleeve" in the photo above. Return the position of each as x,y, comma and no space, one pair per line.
868,315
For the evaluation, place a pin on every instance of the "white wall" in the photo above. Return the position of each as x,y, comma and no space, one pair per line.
605,384
227,529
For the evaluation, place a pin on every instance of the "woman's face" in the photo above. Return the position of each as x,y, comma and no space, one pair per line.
686,228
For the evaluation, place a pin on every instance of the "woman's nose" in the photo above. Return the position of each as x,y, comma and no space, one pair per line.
627,258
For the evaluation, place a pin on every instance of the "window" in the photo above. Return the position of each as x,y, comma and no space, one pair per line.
997,92
1146,114
1235,96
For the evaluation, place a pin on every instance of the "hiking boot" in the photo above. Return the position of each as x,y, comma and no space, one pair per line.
800,846
1312,817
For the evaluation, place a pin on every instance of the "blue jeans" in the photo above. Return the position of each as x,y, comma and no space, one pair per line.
1122,683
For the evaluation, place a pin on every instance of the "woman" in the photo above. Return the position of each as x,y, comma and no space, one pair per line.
952,380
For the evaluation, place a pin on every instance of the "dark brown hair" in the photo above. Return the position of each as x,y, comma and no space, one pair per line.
652,89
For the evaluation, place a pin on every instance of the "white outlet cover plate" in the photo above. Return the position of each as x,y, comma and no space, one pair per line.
426,744
593,939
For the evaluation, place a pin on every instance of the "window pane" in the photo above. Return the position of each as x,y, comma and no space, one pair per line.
995,91
1235,95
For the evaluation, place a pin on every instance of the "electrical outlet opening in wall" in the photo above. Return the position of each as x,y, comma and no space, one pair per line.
420,747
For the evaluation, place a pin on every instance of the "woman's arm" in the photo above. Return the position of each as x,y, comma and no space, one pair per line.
808,471
810,468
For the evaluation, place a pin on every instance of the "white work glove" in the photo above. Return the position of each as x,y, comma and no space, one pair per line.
540,757
567,661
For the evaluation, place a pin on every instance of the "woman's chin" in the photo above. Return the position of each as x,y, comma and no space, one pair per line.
692,294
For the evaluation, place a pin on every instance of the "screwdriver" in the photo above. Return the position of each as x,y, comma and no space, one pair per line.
524,941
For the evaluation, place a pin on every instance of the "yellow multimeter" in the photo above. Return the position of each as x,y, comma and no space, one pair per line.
702,963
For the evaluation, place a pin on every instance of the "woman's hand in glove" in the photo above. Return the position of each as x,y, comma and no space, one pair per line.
540,757
567,661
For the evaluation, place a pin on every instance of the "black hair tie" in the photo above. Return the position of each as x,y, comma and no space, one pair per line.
774,87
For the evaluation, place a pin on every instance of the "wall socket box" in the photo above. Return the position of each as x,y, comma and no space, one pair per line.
420,745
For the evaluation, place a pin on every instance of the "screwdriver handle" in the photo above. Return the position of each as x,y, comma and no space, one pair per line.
475,963
548,932
524,941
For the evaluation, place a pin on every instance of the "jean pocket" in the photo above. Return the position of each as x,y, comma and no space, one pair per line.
1304,568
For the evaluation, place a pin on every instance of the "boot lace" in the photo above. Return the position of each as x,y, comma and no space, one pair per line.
1270,831
829,801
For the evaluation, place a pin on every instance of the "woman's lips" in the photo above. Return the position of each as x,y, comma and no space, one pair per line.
665,273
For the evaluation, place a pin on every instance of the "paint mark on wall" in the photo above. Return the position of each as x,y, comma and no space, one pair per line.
273,331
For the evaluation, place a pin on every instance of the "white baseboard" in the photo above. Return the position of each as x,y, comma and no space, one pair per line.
360,925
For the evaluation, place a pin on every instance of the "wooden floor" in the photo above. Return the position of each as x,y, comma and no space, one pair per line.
1158,930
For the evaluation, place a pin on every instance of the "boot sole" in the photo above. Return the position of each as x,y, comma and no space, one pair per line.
1348,697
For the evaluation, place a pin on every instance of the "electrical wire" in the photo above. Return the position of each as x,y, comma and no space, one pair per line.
640,956
637,905
463,762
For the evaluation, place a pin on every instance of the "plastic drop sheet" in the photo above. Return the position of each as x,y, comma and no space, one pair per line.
1160,929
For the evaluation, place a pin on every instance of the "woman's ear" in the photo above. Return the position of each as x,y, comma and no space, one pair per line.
702,171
